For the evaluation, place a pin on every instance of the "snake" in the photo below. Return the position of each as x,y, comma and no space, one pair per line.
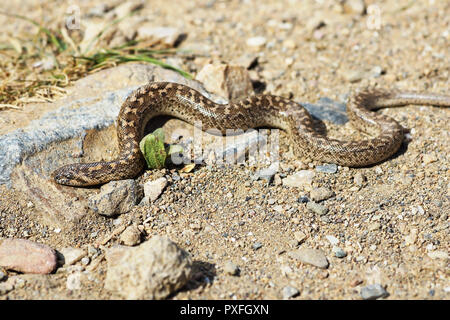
263,110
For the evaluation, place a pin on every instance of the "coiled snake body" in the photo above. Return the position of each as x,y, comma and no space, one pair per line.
166,98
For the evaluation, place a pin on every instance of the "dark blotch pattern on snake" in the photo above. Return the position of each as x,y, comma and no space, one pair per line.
166,98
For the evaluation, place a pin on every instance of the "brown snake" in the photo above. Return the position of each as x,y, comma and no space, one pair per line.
166,98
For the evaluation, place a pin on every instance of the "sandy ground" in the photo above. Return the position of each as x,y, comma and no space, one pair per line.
388,225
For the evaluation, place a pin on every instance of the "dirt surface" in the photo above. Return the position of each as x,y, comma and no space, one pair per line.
390,224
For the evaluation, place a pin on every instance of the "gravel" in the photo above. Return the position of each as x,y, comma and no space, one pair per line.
307,57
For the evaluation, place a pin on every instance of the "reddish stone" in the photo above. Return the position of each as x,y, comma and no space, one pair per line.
27,256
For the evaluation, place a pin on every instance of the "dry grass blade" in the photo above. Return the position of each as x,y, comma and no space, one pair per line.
107,57
53,38
99,35
4,106
35,69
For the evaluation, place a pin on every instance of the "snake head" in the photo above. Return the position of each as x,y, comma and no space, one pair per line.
67,175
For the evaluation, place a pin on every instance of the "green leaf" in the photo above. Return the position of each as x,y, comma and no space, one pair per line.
156,154
152,147
159,133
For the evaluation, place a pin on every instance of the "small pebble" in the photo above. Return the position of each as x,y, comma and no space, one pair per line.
303,199
154,188
320,194
429,158
374,226
317,208
85,261
327,168
74,281
412,237
277,180
279,208
373,291
376,71
359,179
378,171
167,35
290,292
131,236
231,268
339,253
310,256
257,245
266,174
93,251
72,255
256,41
153,270
332,239
115,197
438,255
299,236
353,75
354,6
302,179
6,287
437,203
98,10
19,283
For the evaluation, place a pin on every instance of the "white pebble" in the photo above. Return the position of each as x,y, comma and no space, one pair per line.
256,41
333,240
73,281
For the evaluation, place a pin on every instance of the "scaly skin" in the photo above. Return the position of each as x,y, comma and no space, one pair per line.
166,98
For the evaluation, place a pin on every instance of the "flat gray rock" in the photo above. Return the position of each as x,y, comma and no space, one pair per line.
327,109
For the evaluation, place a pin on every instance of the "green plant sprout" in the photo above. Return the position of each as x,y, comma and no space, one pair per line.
155,152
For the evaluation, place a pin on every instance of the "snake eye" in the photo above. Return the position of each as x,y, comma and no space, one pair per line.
62,176
58,177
